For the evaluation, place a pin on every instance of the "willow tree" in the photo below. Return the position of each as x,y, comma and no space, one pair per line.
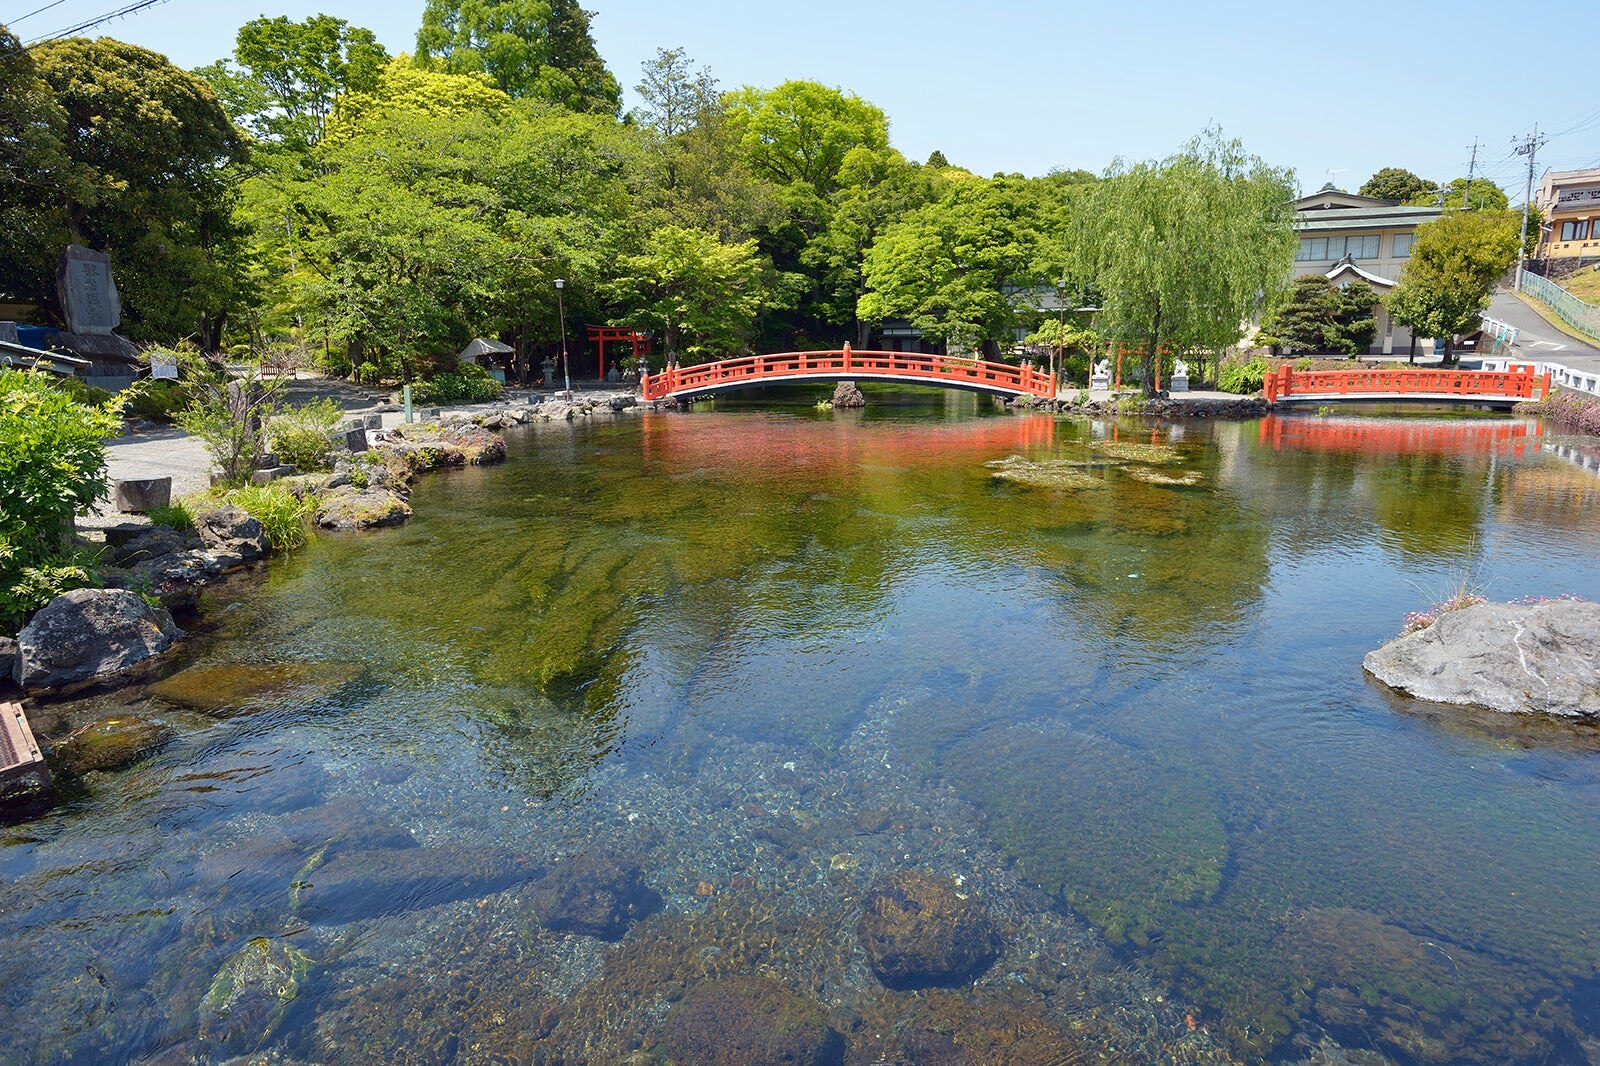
1185,251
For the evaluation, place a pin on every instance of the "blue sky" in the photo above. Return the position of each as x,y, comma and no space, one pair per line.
1333,89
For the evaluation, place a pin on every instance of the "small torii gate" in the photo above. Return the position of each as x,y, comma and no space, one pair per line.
618,335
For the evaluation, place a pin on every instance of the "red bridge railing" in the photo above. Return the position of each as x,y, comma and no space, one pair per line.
1517,383
846,364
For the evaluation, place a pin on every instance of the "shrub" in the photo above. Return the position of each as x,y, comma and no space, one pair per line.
468,384
300,434
177,516
368,373
80,392
285,518
52,462
158,401
227,413
1240,377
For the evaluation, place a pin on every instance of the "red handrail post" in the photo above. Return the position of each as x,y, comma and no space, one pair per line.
847,355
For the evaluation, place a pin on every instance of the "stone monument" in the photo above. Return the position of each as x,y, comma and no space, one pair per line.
88,295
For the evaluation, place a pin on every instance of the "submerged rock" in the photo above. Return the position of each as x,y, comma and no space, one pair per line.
943,1029
1541,658
365,884
110,744
90,635
230,689
750,1021
918,932
594,893
356,508
250,993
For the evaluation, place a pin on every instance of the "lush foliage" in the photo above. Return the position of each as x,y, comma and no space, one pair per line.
1319,316
1454,266
52,464
467,384
1397,183
1242,376
701,295
300,436
150,177
528,48
1187,249
1485,194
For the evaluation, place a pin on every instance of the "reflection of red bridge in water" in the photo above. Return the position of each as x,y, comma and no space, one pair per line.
1399,436
845,364
1487,388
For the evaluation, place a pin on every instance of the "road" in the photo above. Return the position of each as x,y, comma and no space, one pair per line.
1538,339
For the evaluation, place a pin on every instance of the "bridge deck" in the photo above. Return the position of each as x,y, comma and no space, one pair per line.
845,364
1489,388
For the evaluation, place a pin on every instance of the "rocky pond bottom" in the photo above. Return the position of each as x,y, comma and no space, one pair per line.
926,735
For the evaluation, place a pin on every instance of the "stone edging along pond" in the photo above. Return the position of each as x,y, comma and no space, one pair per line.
101,637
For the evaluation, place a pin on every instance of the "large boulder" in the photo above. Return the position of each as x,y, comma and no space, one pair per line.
152,543
918,931
176,579
90,635
1540,658
750,1021
231,530
594,893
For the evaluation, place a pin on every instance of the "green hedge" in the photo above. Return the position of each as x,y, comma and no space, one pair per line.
467,384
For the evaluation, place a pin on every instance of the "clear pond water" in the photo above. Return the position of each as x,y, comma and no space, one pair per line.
772,655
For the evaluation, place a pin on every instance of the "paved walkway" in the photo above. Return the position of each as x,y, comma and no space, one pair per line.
1538,339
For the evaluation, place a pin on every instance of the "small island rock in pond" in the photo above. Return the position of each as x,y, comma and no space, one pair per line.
848,394
918,931
1541,658
750,1021
350,507
90,635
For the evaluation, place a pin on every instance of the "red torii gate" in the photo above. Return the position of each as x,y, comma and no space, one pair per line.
618,334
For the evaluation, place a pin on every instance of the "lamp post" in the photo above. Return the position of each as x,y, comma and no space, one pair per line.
561,313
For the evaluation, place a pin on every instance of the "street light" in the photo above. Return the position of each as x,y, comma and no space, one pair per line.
561,313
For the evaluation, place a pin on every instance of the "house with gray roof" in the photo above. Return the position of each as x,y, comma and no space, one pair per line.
1346,237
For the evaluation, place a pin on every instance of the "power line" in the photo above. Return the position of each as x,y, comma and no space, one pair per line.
89,24
37,11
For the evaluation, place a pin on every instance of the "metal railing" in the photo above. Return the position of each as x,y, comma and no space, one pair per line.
1585,318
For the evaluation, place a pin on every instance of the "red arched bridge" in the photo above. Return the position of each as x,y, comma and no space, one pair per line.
1489,388
943,371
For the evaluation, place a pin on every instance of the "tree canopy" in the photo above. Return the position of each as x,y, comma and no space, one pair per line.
1484,194
1397,183
1318,316
1185,250
539,49
1456,260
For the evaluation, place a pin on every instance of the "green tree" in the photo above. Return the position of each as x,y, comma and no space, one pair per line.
1185,250
290,73
1484,194
936,159
156,156
1321,317
701,295
801,132
1455,263
674,94
951,267
1397,183
36,173
539,49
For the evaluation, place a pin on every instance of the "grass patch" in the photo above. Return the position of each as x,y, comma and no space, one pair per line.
287,519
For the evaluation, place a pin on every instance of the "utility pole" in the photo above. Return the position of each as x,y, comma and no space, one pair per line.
1466,197
1530,148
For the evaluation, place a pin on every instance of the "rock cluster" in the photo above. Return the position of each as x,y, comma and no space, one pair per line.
1521,658
848,394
